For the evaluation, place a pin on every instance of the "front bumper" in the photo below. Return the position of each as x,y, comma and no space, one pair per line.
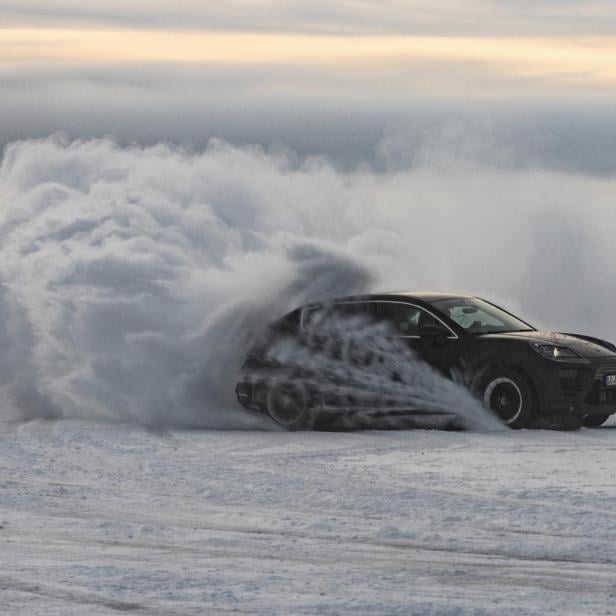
579,389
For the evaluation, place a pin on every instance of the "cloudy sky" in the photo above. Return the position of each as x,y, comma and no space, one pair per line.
307,74
485,128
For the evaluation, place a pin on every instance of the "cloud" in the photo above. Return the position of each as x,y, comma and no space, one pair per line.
465,17
359,69
309,110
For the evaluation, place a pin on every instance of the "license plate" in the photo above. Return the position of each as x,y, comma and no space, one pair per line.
610,380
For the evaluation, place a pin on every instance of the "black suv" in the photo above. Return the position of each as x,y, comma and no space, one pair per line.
525,376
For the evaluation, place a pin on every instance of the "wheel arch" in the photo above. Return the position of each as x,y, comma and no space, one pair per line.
493,365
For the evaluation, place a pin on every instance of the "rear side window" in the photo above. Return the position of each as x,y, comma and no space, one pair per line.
404,318
287,325
343,311
311,316
365,310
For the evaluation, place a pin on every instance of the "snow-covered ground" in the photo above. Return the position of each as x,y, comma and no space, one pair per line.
104,518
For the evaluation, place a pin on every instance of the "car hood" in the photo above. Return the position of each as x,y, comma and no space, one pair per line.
585,346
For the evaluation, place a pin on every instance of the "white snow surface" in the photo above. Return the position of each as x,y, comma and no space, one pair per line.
101,518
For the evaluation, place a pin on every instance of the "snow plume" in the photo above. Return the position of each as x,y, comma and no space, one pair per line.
134,278
356,364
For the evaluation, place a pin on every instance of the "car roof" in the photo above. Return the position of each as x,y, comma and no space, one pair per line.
425,296
433,295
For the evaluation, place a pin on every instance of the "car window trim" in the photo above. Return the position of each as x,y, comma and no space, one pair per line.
453,336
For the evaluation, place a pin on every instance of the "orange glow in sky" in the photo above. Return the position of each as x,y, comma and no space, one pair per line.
572,60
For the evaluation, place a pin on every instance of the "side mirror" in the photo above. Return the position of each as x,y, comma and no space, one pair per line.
433,332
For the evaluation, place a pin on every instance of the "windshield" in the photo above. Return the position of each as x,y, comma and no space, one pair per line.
479,317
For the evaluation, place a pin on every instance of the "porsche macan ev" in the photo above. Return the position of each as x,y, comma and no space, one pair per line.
525,376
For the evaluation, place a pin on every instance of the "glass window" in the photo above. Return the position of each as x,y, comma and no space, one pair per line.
404,318
342,311
479,317
310,316
365,310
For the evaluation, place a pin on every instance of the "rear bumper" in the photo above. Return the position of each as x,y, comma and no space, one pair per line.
252,395
244,393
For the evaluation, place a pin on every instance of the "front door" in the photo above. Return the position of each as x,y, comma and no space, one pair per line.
406,321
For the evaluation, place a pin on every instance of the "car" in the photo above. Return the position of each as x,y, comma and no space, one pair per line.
525,376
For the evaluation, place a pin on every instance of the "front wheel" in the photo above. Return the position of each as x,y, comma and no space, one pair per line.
594,421
508,394
289,405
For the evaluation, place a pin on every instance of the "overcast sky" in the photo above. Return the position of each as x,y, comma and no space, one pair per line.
408,17
485,128
340,76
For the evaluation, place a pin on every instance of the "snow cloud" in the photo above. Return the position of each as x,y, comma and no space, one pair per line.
132,278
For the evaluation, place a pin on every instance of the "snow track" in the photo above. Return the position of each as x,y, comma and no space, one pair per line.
109,518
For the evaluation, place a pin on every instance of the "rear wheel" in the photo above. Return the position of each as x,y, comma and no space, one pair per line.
290,405
508,394
594,421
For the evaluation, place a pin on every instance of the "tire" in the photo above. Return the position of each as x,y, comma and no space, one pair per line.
594,421
290,406
508,394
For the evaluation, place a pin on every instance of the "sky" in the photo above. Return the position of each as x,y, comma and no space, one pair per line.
338,78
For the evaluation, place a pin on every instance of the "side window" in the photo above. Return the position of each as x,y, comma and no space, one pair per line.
349,310
472,317
404,318
311,316
287,325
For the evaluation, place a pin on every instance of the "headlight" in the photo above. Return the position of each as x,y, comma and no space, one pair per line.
557,353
